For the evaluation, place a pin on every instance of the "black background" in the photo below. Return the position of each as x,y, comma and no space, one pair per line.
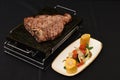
100,18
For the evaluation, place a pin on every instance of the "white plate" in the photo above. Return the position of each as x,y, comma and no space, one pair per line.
58,64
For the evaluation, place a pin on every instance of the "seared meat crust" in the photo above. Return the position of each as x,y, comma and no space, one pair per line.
46,27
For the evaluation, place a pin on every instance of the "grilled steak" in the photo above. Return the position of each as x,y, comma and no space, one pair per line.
46,27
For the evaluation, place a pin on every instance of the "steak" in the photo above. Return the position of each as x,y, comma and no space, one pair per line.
46,27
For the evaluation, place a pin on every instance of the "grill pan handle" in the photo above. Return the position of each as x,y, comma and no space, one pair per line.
59,6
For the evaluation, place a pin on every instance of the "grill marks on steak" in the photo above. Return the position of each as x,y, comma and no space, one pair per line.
46,27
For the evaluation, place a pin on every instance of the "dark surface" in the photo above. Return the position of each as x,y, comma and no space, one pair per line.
47,47
100,19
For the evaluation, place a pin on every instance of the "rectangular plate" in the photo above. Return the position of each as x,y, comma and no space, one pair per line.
21,35
58,64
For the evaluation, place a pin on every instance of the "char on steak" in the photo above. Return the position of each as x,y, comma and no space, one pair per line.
46,27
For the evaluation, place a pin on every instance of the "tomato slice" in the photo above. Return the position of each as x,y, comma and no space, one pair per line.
83,51
79,64
75,55
82,47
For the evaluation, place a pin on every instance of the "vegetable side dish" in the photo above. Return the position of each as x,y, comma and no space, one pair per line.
79,55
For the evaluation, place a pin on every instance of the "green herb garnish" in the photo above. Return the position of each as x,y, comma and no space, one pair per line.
88,47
